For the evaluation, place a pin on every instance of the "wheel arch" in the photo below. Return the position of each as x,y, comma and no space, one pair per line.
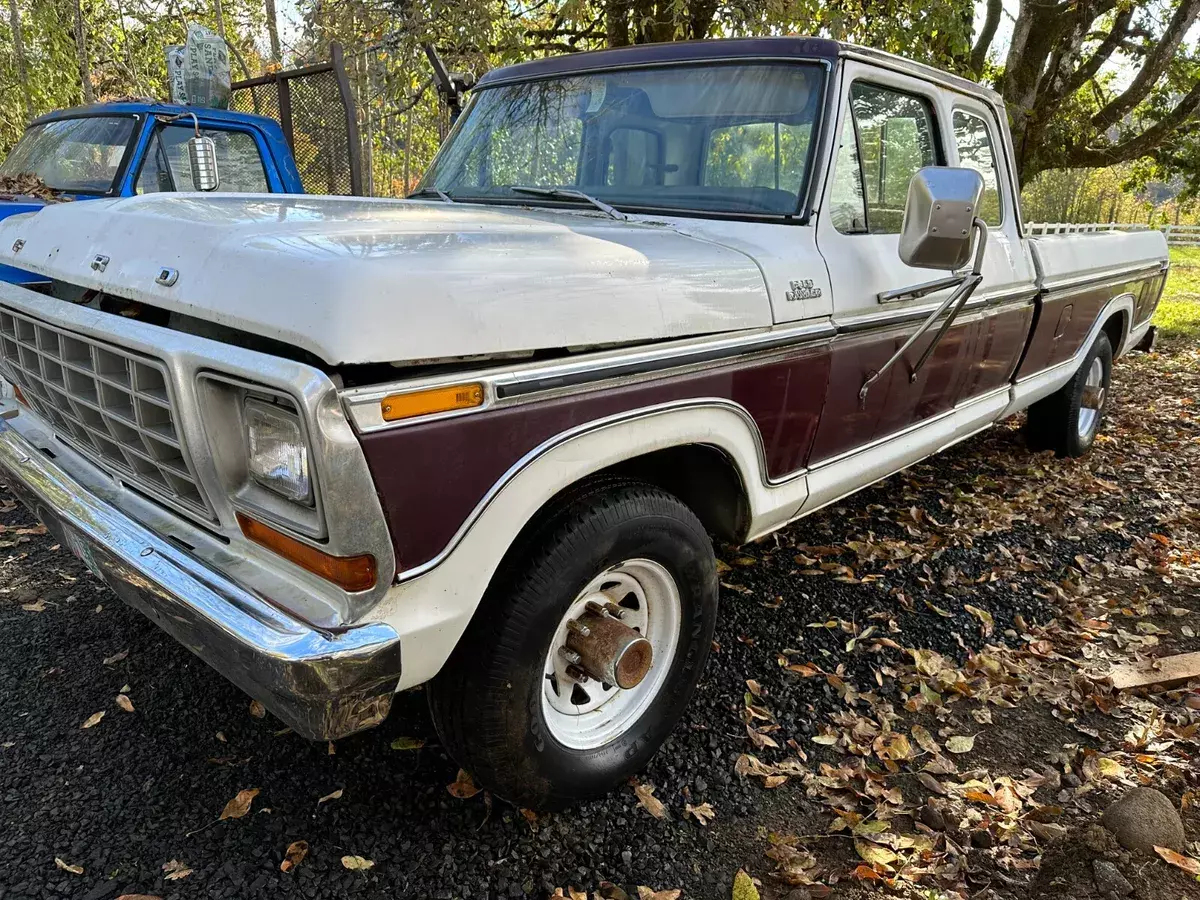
674,446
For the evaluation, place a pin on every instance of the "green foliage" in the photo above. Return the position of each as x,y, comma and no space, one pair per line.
1178,313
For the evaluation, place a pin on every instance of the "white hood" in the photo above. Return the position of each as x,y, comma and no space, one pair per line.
360,280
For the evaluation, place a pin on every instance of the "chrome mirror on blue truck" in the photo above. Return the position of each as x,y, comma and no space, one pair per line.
202,157
938,216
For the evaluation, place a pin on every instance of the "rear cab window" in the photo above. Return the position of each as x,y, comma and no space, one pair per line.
166,166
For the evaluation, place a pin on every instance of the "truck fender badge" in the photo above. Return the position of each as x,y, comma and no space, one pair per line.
166,277
18,245
803,290
99,262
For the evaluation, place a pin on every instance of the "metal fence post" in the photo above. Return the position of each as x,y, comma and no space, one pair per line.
355,143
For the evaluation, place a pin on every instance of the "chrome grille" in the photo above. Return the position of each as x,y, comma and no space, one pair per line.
112,405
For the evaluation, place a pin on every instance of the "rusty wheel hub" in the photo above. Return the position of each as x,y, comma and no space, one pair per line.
611,652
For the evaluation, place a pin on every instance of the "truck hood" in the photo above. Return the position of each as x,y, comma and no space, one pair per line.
361,280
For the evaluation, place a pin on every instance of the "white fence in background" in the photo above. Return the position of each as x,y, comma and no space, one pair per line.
1177,235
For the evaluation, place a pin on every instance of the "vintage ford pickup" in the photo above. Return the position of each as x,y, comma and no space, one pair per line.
479,439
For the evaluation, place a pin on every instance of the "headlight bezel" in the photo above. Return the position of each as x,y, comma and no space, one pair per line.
224,400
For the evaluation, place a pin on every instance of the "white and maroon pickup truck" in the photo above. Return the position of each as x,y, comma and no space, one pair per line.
479,439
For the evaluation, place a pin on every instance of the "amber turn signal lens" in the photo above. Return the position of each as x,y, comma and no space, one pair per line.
434,400
351,573
19,394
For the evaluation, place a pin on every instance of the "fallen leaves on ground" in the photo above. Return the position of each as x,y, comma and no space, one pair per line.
124,702
645,893
115,658
239,805
335,795
650,803
704,813
408,743
67,867
357,863
463,787
175,870
257,709
744,887
1189,865
294,855
93,720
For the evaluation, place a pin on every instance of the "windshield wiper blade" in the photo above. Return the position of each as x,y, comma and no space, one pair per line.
431,192
570,194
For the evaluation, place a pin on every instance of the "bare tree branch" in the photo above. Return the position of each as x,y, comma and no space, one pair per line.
1088,69
1155,65
986,34
1141,144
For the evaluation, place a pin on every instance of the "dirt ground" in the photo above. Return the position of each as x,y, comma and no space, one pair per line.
944,636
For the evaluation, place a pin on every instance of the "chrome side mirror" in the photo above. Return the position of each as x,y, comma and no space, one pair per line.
939,217
202,157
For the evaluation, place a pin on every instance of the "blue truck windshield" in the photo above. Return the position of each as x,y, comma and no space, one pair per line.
716,138
73,155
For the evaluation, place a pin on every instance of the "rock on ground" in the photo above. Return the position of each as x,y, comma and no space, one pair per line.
1144,818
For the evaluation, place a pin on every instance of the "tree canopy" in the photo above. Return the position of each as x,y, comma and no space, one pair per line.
1088,83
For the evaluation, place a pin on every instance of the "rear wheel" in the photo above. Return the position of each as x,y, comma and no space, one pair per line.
1068,420
585,650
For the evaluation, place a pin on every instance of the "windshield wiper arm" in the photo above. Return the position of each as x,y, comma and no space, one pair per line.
570,194
431,192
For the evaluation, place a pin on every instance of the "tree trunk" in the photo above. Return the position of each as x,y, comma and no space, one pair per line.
616,23
14,21
82,55
273,32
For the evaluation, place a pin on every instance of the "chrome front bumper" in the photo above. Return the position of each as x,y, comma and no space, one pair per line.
325,685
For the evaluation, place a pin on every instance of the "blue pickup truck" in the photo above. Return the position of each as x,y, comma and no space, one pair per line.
126,149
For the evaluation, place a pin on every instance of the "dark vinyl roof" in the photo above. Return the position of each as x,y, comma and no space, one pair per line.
774,48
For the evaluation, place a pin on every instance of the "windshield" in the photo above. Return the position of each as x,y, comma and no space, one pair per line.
714,138
73,155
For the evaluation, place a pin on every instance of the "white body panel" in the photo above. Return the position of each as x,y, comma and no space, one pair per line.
1066,258
359,281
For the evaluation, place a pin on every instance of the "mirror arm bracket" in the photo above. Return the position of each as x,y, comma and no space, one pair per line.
954,303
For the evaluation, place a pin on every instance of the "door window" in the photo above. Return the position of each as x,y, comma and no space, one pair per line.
891,135
166,167
977,151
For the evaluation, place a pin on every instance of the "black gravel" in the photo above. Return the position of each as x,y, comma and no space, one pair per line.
125,797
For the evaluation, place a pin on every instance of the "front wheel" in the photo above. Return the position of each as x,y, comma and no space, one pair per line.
586,649
1068,420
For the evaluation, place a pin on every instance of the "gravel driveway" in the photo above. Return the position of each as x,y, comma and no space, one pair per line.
143,789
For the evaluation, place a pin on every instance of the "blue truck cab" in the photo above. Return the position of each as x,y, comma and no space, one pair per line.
130,148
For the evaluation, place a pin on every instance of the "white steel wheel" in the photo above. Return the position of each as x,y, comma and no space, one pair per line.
1092,401
585,713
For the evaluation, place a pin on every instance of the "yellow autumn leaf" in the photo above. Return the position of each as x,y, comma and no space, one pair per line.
67,867
650,803
357,863
93,719
743,887
464,787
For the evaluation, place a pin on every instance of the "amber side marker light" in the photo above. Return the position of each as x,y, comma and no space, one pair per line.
434,400
351,573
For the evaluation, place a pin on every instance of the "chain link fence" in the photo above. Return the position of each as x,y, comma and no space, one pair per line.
316,109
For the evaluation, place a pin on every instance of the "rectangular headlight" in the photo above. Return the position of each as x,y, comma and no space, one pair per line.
276,450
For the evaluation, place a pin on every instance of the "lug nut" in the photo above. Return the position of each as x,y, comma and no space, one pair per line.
615,611
578,628
569,655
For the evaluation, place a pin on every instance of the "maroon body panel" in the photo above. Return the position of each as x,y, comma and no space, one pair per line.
431,476
1064,320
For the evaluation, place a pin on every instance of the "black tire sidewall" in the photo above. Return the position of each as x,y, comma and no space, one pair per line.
1075,444
588,537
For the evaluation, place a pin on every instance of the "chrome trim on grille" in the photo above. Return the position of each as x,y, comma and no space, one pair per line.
112,405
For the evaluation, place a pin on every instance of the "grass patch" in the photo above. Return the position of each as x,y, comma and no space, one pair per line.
1178,313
